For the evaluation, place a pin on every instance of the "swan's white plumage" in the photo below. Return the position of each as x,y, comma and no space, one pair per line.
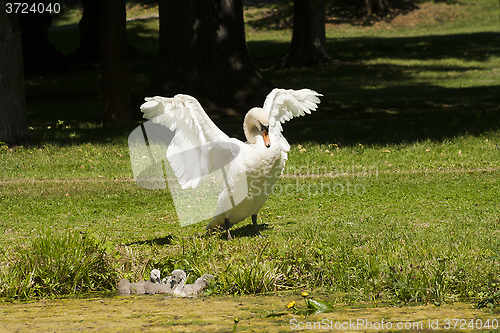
258,165
282,105
193,128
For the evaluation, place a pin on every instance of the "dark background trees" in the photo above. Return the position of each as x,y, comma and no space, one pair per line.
203,52
116,89
13,123
38,54
369,7
90,35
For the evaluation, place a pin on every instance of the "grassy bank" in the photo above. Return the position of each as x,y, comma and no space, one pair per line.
390,193
402,223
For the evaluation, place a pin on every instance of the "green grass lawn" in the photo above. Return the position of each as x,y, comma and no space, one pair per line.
390,193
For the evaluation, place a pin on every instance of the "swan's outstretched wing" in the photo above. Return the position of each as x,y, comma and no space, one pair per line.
191,152
282,105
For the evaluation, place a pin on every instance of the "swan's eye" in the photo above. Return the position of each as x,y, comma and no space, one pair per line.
264,128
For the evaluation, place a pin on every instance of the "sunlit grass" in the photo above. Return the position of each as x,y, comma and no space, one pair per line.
390,192
407,223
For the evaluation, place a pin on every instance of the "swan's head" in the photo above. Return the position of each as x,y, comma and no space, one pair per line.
178,277
257,124
155,276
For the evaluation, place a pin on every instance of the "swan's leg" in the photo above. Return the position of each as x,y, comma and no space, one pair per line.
255,226
227,225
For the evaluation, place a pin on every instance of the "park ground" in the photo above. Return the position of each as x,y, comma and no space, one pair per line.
388,206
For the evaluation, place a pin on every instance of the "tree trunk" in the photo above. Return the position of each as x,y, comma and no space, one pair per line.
39,55
203,52
369,7
308,46
89,28
116,90
13,123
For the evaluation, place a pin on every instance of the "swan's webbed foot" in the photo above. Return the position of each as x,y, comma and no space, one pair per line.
256,226
227,225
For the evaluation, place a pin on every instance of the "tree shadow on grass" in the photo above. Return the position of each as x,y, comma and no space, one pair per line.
470,47
379,92
350,50
167,240
376,93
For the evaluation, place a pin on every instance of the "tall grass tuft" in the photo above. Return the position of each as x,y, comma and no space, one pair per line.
254,276
56,264
245,271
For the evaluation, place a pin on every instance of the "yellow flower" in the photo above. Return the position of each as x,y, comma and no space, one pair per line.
305,294
290,305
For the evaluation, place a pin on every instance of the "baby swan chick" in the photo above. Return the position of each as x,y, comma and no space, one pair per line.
152,286
127,288
141,287
124,287
155,276
193,289
167,285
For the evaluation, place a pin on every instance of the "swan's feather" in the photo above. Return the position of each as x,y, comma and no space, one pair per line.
282,105
193,129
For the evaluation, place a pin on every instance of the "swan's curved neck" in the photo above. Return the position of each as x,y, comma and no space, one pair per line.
255,124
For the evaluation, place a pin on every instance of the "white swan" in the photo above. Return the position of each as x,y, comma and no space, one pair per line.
260,162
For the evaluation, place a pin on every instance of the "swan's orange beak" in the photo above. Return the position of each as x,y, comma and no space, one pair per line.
265,135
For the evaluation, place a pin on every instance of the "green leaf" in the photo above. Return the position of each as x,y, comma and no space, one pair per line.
318,306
